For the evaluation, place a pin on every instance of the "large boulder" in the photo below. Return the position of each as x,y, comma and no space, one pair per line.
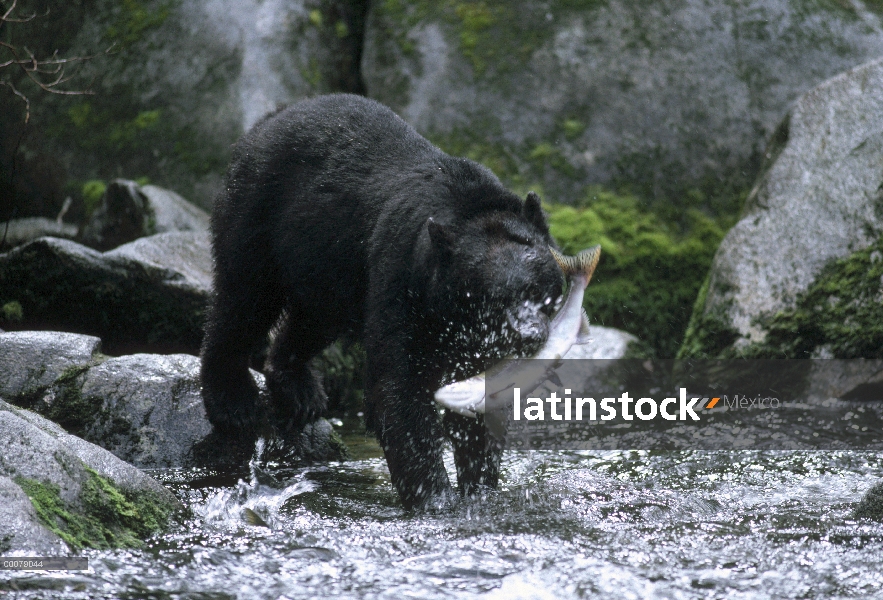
145,408
62,493
148,294
666,96
183,81
19,231
800,273
871,505
129,211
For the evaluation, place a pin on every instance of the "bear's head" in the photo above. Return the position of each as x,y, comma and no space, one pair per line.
494,283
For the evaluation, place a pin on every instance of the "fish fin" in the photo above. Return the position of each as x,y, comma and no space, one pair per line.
583,336
553,377
252,518
583,263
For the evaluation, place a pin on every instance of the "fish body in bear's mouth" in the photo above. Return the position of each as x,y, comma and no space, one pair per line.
568,327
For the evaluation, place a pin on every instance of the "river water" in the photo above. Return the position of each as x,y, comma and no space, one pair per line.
564,524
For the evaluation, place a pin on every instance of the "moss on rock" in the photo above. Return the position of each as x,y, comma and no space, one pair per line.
839,316
707,335
106,516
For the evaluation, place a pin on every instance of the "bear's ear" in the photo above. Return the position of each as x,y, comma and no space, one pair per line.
533,212
440,235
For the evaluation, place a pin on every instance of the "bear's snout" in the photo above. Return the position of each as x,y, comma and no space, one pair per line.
530,325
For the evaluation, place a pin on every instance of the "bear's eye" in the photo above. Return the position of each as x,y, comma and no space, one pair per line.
519,239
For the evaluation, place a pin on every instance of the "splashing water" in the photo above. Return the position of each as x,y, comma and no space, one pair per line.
625,524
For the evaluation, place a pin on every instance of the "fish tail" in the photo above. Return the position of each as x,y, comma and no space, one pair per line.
583,263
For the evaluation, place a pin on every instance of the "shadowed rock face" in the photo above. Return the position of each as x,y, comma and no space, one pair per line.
799,274
148,294
661,96
128,211
61,492
871,505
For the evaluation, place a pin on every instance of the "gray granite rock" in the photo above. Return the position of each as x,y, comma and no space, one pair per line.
871,505
151,411
172,212
818,200
19,231
144,408
21,531
82,493
33,360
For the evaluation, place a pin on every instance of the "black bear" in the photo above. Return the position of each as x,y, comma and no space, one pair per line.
338,218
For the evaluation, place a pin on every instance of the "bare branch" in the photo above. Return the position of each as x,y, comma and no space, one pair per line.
22,96
46,73
6,15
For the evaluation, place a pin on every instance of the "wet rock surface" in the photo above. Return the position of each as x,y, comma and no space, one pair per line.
871,505
144,408
77,492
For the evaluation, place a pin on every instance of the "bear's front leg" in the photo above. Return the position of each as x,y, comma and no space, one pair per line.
476,453
410,433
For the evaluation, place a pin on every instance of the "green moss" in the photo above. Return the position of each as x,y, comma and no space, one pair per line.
106,517
342,366
493,35
708,335
397,17
650,272
519,167
666,186
12,311
841,312
92,191
316,17
573,128
545,155
311,73
475,19
69,408
100,126
341,29
133,19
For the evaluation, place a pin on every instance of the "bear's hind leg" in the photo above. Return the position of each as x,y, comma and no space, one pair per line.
296,390
237,322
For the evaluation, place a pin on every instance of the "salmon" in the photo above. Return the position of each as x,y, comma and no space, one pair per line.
569,326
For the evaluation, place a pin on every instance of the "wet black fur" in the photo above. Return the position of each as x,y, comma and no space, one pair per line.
339,218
